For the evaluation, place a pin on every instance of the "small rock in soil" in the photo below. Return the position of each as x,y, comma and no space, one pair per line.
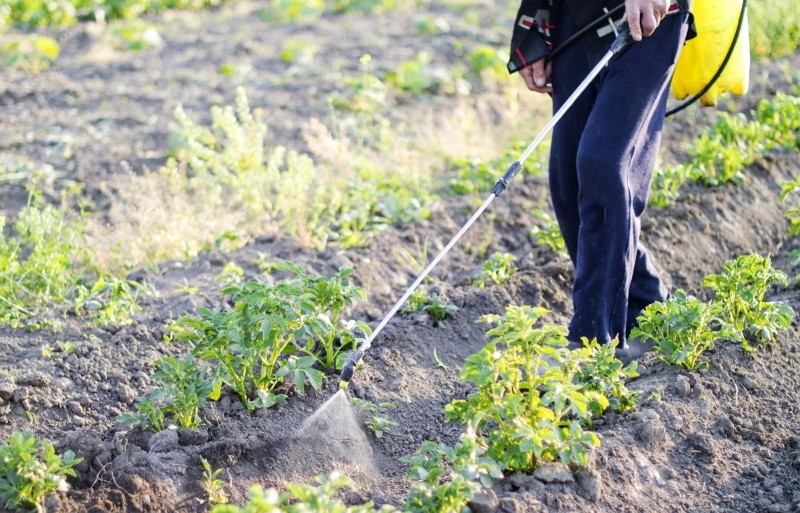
484,501
700,443
163,441
126,394
22,394
35,379
75,407
192,436
589,484
524,503
652,432
749,383
7,388
554,473
521,481
682,386
724,426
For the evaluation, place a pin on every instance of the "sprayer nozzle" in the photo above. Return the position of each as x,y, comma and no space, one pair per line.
350,368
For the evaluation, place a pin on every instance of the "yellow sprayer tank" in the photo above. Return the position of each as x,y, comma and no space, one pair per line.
701,57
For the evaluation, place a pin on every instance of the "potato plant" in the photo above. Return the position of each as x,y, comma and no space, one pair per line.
792,214
302,498
599,370
185,386
532,400
666,184
720,154
782,114
257,344
682,329
30,470
444,479
478,176
739,292
31,52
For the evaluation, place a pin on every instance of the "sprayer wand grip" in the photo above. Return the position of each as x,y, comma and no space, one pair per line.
624,38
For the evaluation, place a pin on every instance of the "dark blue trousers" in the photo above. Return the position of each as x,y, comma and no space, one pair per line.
602,158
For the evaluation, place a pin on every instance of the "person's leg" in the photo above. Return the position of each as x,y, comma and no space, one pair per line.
646,284
569,69
616,155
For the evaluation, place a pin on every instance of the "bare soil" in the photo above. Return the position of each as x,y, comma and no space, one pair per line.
722,440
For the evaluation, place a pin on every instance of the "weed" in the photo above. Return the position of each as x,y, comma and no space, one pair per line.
377,422
417,263
497,270
421,301
739,293
110,301
215,488
41,271
30,470
656,394
439,363
185,288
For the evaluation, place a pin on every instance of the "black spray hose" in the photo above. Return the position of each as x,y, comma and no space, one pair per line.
619,44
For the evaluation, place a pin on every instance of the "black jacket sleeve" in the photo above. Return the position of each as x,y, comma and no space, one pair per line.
527,44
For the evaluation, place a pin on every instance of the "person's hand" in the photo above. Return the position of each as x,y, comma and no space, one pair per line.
643,16
537,76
